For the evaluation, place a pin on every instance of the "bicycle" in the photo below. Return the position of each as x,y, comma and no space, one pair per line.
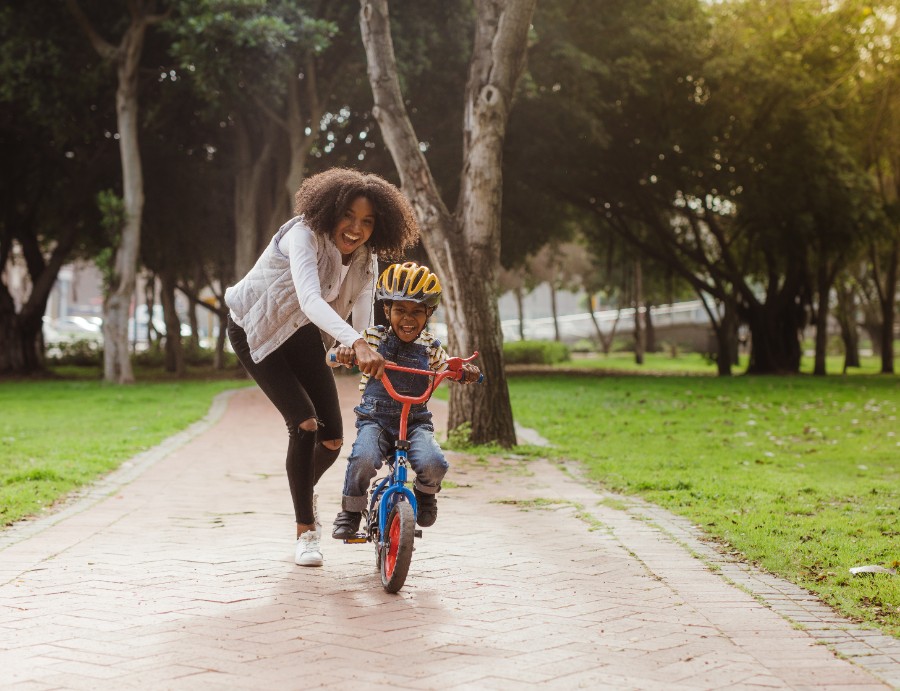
391,518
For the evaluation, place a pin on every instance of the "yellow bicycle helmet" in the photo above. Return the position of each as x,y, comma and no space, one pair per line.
409,281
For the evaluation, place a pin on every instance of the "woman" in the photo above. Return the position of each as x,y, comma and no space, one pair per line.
319,267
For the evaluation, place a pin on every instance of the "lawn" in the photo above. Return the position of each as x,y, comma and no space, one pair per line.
694,363
800,474
58,435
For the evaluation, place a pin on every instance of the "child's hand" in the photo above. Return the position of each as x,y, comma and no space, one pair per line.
344,356
470,374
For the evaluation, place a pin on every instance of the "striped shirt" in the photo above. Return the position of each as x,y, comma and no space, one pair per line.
437,356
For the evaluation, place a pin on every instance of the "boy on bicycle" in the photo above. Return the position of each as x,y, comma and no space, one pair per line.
410,294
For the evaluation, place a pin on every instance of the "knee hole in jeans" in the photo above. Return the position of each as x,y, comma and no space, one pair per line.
310,425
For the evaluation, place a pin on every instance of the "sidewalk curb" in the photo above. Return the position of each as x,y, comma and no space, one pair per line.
867,648
129,470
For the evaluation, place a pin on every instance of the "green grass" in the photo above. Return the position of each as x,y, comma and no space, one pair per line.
694,363
800,474
59,435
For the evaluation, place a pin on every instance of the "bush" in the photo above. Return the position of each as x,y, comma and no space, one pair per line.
583,346
81,353
155,356
535,353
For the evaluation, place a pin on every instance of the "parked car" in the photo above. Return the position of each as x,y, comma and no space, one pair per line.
72,328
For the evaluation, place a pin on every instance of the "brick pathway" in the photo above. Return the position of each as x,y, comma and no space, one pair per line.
176,572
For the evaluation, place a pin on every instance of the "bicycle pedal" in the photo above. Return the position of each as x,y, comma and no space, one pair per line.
356,539
417,533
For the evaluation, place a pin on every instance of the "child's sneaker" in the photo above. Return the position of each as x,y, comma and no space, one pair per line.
346,524
427,508
307,552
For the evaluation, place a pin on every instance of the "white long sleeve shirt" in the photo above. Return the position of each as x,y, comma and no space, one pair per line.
298,279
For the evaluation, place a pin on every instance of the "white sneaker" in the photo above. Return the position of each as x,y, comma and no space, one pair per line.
307,552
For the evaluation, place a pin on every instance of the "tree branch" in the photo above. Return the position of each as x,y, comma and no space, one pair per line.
105,49
390,112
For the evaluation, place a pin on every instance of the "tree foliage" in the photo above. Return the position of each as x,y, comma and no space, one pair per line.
717,140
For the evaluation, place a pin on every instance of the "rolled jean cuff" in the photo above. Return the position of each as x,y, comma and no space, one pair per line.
355,504
426,489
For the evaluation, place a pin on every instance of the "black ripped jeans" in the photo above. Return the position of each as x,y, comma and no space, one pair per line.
300,384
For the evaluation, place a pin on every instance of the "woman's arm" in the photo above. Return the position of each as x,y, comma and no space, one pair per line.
302,251
362,316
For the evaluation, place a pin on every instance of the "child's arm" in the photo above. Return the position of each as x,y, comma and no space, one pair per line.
471,373
438,363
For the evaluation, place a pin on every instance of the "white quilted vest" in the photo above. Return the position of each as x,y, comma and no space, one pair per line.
265,303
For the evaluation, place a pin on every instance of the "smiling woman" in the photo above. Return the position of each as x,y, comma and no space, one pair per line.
318,270
354,228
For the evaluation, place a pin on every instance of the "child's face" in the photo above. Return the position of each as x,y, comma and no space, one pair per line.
407,319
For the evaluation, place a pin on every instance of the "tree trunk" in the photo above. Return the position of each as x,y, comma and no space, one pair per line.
606,342
154,336
649,331
21,334
464,245
117,364
117,359
21,342
638,317
174,350
887,299
248,196
824,281
725,328
775,337
219,360
195,329
554,311
726,342
520,306
846,317
295,125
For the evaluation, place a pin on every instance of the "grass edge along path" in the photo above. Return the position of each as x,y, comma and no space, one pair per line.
57,436
801,475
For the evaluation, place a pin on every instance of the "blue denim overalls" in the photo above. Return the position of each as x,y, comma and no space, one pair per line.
378,424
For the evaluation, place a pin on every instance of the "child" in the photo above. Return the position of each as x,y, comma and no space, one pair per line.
410,294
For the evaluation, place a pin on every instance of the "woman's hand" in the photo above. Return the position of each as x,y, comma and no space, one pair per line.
343,356
368,359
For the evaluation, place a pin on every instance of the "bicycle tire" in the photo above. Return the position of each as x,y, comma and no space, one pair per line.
398,546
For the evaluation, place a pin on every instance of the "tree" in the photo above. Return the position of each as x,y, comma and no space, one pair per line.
465,242
712,138
269,73
880,137
126,58
55,159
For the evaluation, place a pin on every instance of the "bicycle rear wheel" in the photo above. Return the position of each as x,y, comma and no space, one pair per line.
398,546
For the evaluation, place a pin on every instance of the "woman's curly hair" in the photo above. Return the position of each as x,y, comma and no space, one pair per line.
324,198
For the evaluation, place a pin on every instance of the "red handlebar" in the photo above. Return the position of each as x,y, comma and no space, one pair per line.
454,371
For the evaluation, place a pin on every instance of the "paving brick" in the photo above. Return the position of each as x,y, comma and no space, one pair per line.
207,595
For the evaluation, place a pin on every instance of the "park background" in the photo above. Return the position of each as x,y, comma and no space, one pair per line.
741,157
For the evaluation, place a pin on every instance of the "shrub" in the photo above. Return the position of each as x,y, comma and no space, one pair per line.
583,345
80,353
535,353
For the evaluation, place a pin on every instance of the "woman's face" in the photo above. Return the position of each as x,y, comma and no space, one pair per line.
355,227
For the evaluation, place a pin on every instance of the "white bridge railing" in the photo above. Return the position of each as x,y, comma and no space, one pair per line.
575,326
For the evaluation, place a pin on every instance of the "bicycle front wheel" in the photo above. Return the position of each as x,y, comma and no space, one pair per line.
398,546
